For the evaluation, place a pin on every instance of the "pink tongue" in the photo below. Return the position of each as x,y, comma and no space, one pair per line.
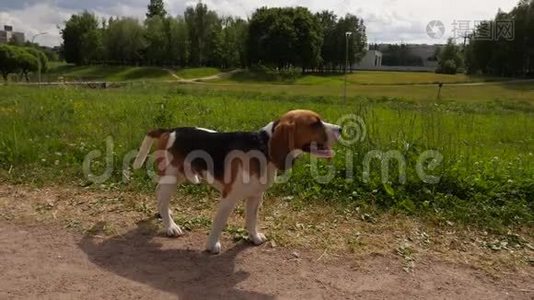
327,153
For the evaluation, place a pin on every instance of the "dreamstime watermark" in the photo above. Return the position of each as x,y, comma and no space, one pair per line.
435,29
475,29
256,167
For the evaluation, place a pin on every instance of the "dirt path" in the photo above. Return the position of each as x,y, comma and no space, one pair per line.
49,262
207,78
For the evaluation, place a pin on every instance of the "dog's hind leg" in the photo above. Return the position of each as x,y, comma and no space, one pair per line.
226,206
251,217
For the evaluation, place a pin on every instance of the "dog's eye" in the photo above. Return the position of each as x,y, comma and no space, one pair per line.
317,123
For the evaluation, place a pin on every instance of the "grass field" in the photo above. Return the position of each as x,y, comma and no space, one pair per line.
482,132
362,78
189,73
513,94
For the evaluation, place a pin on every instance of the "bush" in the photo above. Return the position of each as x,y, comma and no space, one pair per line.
273,74
448,67
21,59
8,60
450,59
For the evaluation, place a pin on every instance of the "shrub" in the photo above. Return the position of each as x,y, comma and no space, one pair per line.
21,59
448,67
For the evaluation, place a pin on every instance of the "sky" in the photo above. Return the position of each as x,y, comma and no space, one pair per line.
387,21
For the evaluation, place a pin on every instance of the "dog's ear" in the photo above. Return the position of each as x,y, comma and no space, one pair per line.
282,143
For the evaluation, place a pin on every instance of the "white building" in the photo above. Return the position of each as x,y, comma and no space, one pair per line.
7,34
371,60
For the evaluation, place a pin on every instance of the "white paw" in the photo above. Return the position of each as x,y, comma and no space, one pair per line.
258,238
214,248
173,230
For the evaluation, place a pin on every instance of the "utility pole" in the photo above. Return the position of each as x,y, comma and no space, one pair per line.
347,35
39,70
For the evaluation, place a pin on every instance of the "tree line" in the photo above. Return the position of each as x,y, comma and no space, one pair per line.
21,60
504,46
275,37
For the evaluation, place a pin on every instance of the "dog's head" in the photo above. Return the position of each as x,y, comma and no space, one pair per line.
300,131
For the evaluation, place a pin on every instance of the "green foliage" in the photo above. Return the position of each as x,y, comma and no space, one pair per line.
157,41
21,59
279,37
447,67
82,39
284,37
234,37
334,44
8,60
201,22
27,62
400,55
41,56
504,55
449,58
178,49
265,73
124,41
156,8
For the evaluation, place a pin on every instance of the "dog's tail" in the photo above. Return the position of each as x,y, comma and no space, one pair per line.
146,146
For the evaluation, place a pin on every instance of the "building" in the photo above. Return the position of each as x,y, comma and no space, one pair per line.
371,60
8,34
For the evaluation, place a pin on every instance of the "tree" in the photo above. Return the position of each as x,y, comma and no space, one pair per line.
157,41
504,53
309,38
214,46
41,57
356,42
156,8
26,62
328,21
401,55
178,43
285,37
124,41
450,58
200,22
82,39
8,60
234,35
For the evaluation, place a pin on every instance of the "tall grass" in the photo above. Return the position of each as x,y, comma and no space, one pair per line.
486,177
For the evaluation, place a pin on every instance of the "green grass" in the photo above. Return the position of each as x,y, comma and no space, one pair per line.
408,86
189,73
390,78
360,78
487,173
102,72
508,93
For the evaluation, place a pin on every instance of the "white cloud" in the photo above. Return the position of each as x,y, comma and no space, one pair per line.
34,19
386,20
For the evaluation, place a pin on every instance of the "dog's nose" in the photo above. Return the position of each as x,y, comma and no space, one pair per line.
337,131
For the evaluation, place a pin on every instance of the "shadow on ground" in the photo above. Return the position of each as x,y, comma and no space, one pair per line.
186,273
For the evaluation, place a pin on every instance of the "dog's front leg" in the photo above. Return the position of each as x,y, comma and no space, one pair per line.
252,207
225,208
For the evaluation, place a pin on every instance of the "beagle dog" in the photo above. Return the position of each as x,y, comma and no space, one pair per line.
240,165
